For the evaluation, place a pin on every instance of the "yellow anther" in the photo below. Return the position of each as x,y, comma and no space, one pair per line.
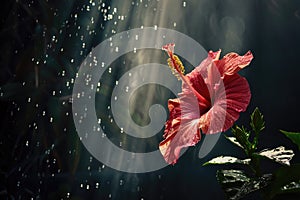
178,68
179,64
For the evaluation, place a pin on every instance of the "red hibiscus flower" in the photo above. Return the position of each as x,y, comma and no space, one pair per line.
212,97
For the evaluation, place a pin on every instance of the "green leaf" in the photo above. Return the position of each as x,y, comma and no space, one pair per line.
295,137
226,160
234,141
285,180
242,135
253,185
231,181
237,184
257,122
279,155
231,176
292,187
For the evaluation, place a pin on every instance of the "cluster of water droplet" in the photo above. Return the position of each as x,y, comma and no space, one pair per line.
64,38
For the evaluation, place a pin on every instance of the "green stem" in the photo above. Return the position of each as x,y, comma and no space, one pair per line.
255,165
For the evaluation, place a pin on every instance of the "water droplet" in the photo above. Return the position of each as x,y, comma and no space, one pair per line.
109,16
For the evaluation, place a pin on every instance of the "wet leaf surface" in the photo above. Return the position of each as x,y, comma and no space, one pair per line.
279,155
227,160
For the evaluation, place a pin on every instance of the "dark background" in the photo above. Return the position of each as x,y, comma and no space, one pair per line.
42,46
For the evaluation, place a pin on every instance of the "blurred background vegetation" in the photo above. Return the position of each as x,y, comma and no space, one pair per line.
42,46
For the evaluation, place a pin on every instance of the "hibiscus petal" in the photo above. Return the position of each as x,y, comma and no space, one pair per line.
227,106
231,63
184,133
202,75
182,127
213,120
238,97
174,116
213,55
230,94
